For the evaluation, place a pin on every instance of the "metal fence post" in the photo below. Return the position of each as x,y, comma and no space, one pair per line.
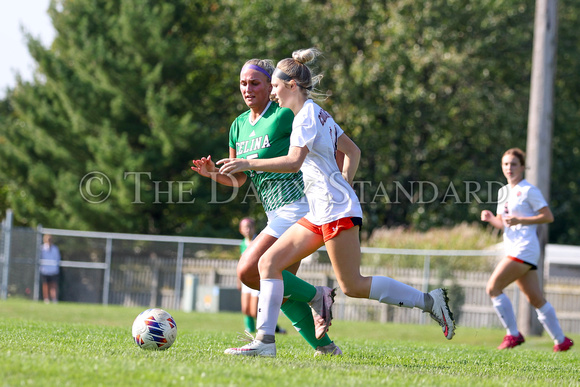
107,276
178,274
36,292
7,229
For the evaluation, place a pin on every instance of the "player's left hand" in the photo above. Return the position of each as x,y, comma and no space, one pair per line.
233,165
511,220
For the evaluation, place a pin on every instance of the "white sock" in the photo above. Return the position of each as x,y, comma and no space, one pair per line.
269,303
547,316
505,311
390,291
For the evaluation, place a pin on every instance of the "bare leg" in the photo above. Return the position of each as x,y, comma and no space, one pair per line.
53,289
295,244
246,304
298,312
506,272
344,252
45,292
529,284
248,264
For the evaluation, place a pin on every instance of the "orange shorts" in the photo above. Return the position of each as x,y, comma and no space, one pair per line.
332,229
534,267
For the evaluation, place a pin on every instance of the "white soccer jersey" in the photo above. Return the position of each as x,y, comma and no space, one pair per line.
329,195
521,241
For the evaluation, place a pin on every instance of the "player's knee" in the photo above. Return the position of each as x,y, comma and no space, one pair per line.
536,300
354,290
266,267
249,275
353,293
250,278
492,290
248,260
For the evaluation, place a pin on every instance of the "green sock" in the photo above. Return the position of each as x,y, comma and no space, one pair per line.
250,324
297,289
300,314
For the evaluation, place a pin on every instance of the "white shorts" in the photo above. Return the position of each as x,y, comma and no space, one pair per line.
247,289
281,219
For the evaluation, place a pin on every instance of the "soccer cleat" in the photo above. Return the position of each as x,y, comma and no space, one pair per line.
441,312
329,349
254,348
510,341
564,346
321,307
280,330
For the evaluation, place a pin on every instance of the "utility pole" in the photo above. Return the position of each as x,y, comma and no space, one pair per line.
540,127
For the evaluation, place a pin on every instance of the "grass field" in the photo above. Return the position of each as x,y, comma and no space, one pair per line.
70,344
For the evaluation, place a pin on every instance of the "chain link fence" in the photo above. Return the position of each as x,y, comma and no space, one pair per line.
150,271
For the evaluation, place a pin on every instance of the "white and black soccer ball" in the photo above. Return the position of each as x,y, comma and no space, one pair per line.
154,329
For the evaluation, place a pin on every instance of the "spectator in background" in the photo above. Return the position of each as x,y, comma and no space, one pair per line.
49,269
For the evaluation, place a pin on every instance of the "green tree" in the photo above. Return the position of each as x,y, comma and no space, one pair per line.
565,187
432,92
115,100
128,93
427,97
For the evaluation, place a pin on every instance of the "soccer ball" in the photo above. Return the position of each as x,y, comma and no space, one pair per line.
154,329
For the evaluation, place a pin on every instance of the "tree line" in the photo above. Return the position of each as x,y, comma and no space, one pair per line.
129,92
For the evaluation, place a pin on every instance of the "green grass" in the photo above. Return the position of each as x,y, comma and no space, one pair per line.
90,345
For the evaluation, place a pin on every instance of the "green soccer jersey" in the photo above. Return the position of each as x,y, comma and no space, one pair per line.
267,138
244,245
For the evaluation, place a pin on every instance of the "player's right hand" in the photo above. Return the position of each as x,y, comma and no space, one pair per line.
486,215
204,166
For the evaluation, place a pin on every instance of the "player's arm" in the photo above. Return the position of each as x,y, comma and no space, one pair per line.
544,216
351,157
495,220
207,168
339,160
283,164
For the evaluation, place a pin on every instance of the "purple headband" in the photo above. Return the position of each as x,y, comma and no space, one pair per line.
258,68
